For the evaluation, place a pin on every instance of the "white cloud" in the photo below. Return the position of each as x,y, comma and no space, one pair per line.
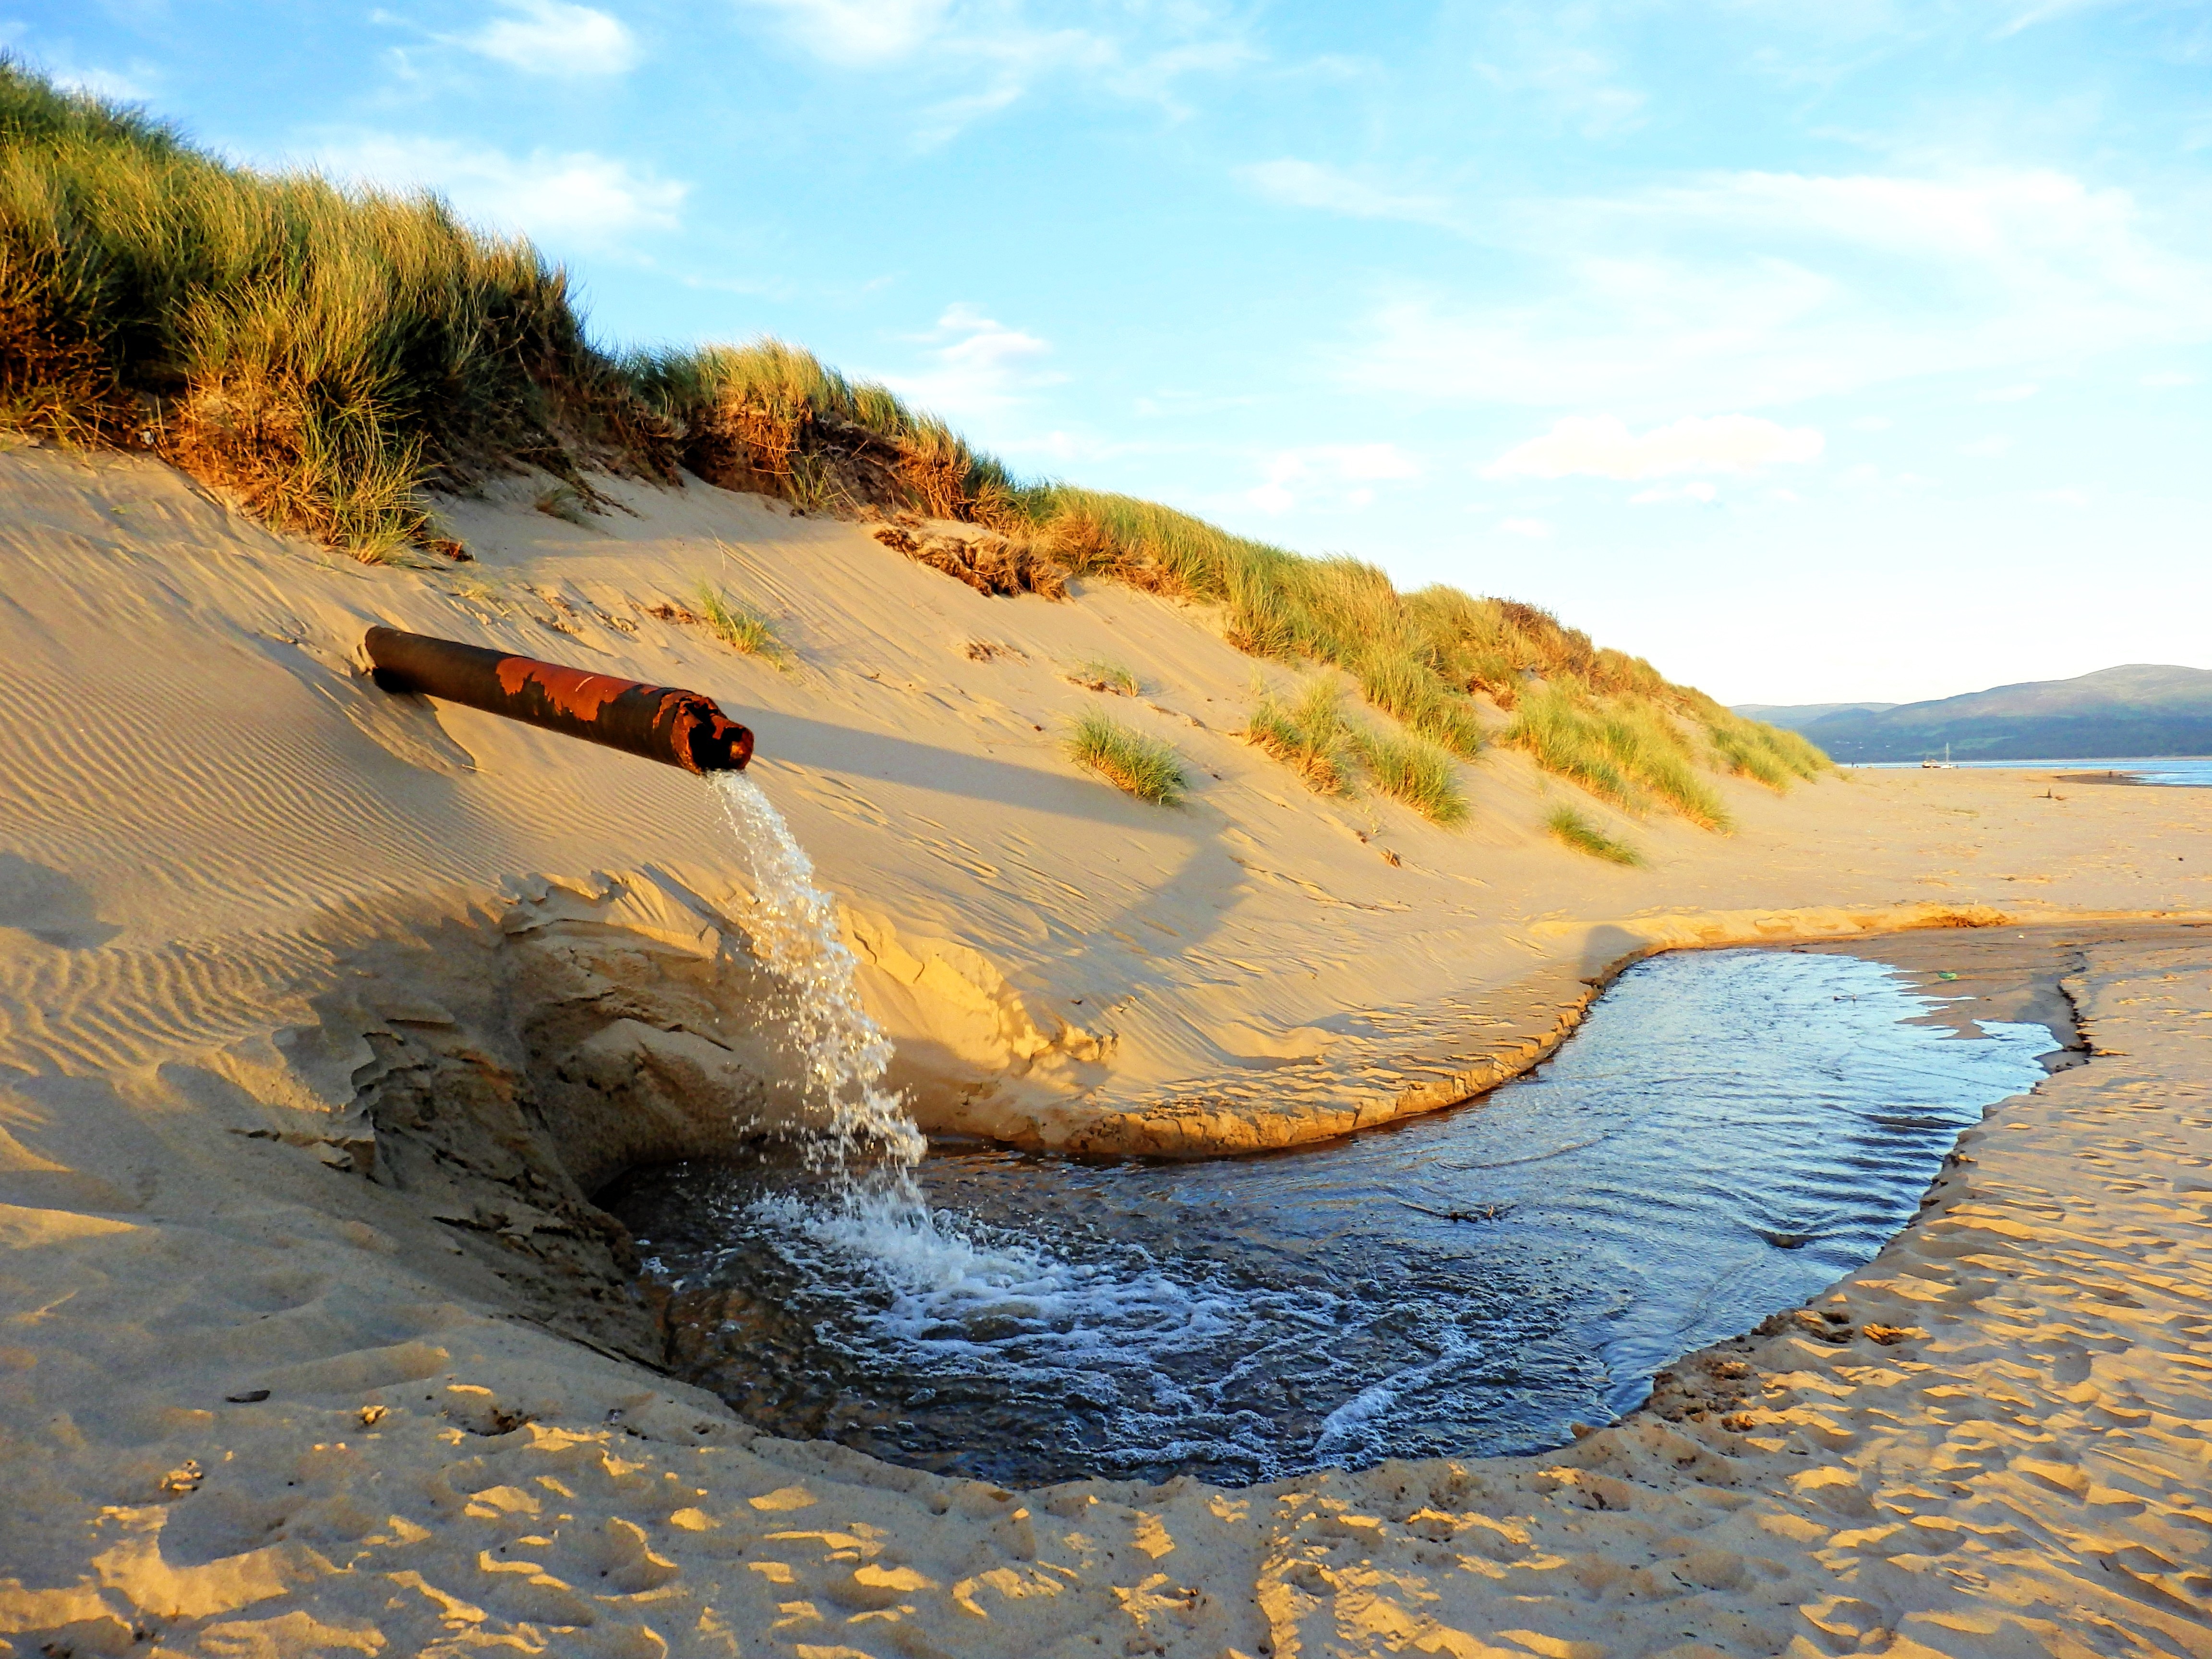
1872,424
1988,448
1758,288
979,365
132,86
1309,184
1324,474
577,198
2171,377
2059,497
2007,394
960,61
858,30
1602,445
2029,17
1540,58
1535,530
550,37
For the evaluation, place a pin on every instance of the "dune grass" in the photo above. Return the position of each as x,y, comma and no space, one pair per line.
740,629
1145,766
1409,768
1775,757
1627,751
1311,735
564,501
333,354
324,352
1569,826
1103,674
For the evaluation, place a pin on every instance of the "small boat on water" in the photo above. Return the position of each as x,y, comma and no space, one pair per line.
1944,765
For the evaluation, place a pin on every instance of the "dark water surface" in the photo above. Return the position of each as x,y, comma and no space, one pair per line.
1729,1133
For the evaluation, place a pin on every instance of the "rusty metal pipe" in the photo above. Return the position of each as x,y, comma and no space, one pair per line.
676,727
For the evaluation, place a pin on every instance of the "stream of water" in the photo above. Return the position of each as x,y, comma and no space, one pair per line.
1729,1132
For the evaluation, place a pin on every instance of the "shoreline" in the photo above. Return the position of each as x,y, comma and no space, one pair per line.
321,1011
1542,1012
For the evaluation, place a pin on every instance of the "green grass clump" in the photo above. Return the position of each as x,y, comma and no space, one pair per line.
332,354
1412,769
1752,749
564,501
1312,736
772,415
1101,674
323,351
1146,767
738,628
1621,749
1579,833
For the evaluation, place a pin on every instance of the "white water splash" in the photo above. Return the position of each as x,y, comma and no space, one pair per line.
794,928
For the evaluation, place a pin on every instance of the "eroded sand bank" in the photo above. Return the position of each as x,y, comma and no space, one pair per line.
322,1014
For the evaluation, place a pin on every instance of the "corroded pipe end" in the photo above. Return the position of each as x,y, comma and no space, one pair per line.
711,741
660,722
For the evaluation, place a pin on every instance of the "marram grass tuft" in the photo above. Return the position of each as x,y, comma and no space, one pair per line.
738,628
1145,766
1570,827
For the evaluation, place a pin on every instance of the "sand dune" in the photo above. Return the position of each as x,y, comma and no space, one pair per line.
313,1002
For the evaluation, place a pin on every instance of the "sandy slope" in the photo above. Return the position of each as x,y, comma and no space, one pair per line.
264,932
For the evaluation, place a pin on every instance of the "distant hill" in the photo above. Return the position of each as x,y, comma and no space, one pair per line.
2139,709
1794,716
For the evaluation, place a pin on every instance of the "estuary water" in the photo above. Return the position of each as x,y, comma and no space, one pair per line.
2173,771
1729,1133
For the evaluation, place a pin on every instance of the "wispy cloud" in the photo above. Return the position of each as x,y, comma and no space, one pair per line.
550,37
2007,394
133,85
1339,475
1310,184
1602,445
2019,16
978,366
961,61
1754,287
577,198
1553,58
862,32
1534,530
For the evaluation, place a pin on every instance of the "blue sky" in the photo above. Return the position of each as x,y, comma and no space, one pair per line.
1815,350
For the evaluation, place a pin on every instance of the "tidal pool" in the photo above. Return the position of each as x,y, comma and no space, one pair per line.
1728,1133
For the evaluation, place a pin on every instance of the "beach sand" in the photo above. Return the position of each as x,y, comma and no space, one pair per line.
323,1013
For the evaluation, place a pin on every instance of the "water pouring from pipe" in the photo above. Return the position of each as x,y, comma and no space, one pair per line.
844,1053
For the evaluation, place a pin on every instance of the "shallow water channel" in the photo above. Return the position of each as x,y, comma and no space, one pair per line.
1728,1133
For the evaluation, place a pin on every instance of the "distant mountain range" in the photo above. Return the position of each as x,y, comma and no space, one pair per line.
2138,709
